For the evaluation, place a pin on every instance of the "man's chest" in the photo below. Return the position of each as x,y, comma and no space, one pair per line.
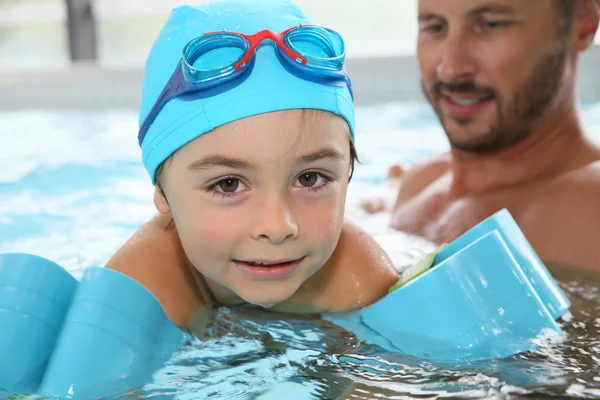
435,216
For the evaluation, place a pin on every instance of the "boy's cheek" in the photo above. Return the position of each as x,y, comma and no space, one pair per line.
324,223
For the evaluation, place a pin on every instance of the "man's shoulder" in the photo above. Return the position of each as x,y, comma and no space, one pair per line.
421,175
582,183
563,222
590,173
573,192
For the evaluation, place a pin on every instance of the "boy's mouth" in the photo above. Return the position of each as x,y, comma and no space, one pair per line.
268,268
268,263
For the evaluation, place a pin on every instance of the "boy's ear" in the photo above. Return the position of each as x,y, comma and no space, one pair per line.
160,201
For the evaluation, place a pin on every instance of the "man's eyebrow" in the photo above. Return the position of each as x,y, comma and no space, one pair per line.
474,12
324,153
427,16
211,161
491,9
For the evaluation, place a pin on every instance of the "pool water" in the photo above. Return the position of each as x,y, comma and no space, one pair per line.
72,189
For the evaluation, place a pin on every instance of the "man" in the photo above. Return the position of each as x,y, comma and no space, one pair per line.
501,77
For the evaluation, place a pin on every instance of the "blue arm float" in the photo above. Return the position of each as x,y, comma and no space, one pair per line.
60,337
488,295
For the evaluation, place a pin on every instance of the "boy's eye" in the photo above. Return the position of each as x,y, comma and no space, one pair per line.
308,179
229,185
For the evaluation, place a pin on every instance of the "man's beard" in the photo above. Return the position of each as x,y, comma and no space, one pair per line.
517,119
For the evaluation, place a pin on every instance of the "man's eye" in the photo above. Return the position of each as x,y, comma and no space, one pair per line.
495,24
432,28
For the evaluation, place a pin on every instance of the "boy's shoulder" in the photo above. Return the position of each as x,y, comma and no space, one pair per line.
163,268
357,274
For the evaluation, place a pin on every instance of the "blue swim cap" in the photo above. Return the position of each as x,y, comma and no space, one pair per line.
269,86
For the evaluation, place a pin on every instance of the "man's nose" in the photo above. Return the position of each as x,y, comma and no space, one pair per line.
457,61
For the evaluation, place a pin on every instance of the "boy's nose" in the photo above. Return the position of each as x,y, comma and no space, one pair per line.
275,221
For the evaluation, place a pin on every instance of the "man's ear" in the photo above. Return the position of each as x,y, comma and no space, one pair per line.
588,18
160,201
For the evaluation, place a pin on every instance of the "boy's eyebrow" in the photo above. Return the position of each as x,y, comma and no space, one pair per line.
236,163
218,161
324,153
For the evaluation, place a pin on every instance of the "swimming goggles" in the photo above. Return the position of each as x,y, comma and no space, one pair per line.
310,52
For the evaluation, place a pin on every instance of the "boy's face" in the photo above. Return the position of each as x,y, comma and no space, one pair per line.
259,203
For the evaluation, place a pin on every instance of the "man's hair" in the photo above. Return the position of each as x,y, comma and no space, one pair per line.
566,11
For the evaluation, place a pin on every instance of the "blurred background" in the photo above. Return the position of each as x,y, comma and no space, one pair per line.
34,32
90,53
94,45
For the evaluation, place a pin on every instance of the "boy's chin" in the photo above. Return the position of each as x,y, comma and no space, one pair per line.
267,302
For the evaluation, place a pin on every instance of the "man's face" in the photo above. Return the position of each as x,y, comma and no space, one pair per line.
492,70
